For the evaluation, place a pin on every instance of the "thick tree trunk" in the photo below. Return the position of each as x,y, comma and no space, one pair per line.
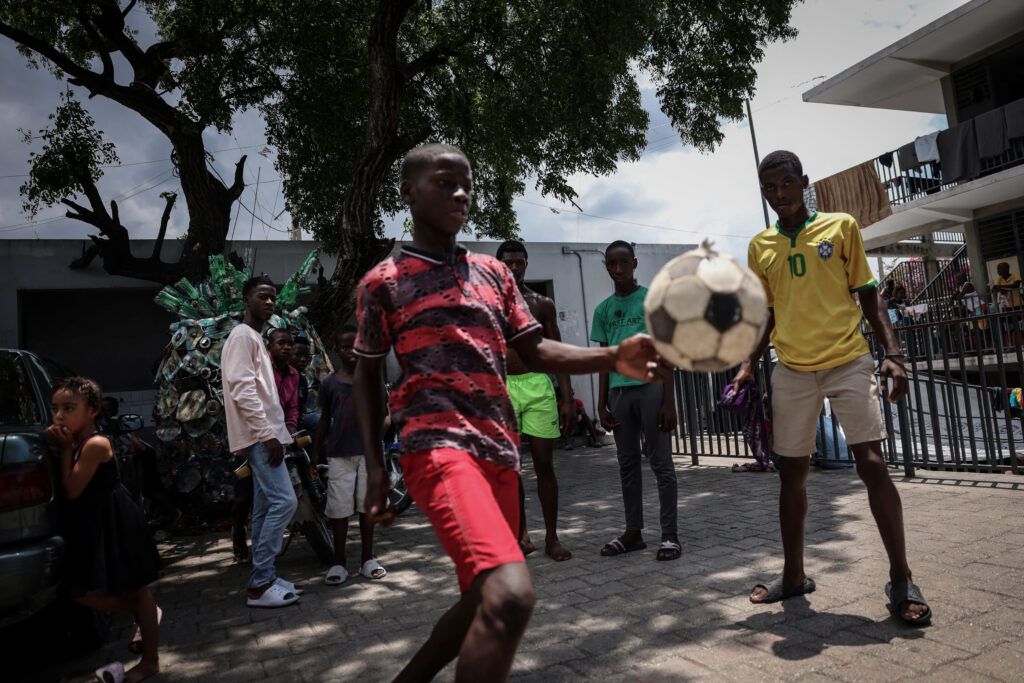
361,247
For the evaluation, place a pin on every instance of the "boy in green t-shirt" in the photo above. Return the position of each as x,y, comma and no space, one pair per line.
629,407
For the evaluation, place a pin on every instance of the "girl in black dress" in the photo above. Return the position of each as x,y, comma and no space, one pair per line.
110,555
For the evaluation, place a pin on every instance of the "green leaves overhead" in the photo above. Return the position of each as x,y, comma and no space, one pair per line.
539,90
72,156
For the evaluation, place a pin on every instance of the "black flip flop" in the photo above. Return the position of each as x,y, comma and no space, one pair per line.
780,588
617,547
907,591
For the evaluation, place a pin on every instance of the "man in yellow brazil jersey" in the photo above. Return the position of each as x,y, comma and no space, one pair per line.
810,265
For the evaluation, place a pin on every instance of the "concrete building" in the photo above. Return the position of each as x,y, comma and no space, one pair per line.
966,65
108,327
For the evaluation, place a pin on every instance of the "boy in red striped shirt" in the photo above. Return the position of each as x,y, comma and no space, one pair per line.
450,316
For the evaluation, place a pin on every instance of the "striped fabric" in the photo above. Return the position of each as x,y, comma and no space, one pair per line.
449,319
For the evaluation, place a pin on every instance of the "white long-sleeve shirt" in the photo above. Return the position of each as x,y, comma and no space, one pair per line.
251,405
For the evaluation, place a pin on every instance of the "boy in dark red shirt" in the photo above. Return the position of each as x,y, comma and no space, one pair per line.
450,316
285,376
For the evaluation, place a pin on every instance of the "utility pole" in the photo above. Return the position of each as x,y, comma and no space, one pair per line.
757,161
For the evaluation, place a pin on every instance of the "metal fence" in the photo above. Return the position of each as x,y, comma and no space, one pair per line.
961,411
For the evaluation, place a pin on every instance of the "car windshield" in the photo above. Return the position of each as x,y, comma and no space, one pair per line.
18,404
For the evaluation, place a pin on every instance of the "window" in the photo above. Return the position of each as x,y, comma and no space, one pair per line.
18,403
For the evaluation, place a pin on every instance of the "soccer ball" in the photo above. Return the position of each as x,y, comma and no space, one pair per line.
706,311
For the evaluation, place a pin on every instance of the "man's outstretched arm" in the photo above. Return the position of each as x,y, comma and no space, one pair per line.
635,357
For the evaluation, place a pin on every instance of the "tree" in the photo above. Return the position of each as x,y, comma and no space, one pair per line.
205,62
528,89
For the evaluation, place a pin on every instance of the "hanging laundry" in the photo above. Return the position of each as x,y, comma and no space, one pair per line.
908,157
856,191
926,147
1013,114
990,129
886,159
996,397
1015,398
958,153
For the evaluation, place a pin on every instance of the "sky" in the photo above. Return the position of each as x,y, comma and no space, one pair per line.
673,194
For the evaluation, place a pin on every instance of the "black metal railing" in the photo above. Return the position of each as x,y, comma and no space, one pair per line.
960,412
904,185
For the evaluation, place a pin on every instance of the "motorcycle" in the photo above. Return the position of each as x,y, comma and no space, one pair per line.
311,494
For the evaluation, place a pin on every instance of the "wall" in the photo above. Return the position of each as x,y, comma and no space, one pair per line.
103,325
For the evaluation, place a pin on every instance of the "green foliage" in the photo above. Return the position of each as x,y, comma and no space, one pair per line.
73,152
528,90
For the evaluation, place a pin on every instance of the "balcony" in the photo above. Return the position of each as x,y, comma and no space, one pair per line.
934,184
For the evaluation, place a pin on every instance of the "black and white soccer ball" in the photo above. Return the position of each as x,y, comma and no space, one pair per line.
706,311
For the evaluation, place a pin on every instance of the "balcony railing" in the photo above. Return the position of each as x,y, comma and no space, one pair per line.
906,185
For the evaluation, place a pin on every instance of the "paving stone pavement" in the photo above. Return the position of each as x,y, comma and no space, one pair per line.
630,617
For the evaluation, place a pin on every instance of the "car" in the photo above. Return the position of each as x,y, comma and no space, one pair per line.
31,548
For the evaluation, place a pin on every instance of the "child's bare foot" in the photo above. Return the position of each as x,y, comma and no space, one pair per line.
556,551
526,545
143,670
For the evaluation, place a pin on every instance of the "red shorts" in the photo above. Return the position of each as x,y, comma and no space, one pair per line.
473,505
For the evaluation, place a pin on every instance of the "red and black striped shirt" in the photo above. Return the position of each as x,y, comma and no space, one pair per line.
449,319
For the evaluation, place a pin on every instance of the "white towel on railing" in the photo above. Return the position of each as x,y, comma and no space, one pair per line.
927,147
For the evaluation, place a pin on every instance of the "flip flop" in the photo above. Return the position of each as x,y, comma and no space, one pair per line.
289,586
111,673
675,551
136,642
274,596
336,575
372,569
617,547
780,588
907,591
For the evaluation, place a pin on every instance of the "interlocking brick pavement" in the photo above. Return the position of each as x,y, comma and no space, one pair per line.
630,617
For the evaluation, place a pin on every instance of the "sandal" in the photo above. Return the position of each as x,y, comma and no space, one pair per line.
669,550
617,547
336,575
372,569
906,591
274,596
289,586
136,642
111,673
780,588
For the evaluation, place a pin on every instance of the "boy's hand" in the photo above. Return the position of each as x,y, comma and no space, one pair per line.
745,372
378,507
892,370
667,418
59,435
607,421
275,452
636,358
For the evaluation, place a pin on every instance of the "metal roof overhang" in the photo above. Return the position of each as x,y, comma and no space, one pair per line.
906,75
944,210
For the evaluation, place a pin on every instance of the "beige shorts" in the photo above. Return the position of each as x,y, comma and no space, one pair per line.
797,399
346,486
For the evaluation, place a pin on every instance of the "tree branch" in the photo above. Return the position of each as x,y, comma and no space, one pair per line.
433,57
128,9
170,198
235,191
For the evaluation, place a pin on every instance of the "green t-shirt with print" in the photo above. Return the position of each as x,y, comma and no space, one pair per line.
616,319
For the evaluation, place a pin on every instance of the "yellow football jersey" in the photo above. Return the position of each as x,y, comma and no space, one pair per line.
809,277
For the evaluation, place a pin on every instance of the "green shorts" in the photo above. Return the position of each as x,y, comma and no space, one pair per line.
533,399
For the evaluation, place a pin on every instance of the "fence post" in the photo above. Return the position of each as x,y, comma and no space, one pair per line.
908,443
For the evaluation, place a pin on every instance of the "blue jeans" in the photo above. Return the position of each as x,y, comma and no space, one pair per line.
273,505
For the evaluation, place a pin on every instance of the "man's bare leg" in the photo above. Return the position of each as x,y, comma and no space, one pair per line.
887,510
483,629
792,517
542,451
525,544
